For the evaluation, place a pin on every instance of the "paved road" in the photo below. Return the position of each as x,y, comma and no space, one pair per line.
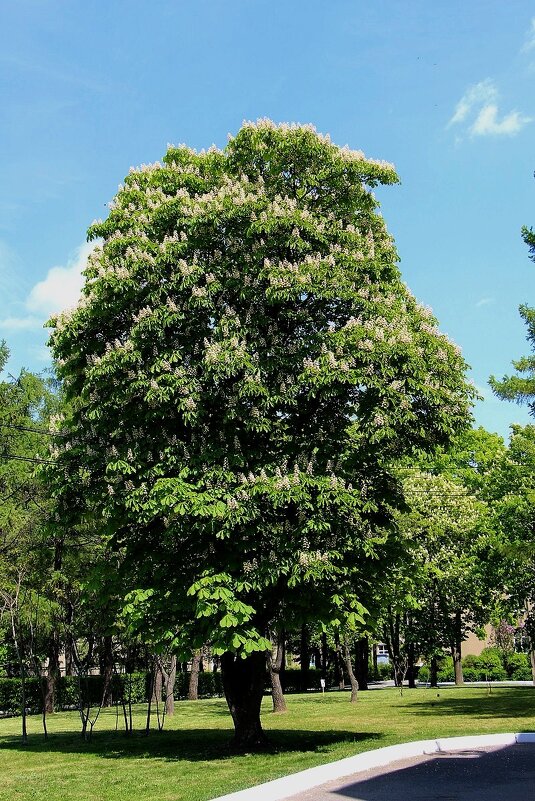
482,774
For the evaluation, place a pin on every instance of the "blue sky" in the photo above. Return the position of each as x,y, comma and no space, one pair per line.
445,90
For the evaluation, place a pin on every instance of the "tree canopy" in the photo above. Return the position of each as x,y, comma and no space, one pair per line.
244,364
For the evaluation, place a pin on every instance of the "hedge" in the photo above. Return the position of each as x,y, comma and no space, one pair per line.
69,691
134,687
487,666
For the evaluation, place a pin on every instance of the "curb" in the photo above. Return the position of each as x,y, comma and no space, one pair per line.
312,777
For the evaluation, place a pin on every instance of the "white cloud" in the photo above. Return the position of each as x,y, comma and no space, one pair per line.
60,290
475,96
488,124
62,286
529,44
484,302
479,104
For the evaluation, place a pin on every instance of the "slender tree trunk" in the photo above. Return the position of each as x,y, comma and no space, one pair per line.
318,662
149,702
324,652
52,673
362,653
68,646
23,703
531,640
532,661
193,689
433,672
339,665
304,658
456,649
170,688
274,664
411,672
157,684
374,660
243,682
351,674
107,670
392,637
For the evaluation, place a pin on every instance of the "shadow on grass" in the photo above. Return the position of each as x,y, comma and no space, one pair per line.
516,702
185,744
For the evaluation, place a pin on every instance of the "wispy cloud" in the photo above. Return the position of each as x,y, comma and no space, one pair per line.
479,108
20,323
484,302
529,43
481,93
488,124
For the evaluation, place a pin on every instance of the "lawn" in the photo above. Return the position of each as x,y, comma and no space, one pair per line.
190,760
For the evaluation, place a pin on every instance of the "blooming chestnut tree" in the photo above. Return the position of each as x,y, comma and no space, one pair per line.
244,364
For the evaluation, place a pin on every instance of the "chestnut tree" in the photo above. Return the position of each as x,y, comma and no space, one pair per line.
243,366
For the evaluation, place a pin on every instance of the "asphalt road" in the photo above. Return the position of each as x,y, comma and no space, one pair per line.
483,774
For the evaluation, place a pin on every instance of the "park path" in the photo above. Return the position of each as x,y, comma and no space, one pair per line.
505,773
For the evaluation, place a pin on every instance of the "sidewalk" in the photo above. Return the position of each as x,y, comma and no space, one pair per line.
482,774
489,767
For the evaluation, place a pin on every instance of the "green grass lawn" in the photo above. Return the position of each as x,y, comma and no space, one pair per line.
191,761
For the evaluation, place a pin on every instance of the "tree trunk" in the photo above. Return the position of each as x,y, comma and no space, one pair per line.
531,639
304,658
339,665
532,661
324,653
411,672
274,663
456,649
243,683
170,688
374,661
193,689
157,684
52,673
149,700
392,638
351,674
433,672
69,660
362,652
107,670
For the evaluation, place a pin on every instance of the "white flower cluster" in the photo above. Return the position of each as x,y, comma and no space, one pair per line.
307,558
146,311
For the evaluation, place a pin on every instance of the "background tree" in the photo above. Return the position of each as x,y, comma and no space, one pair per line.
449,576
26,571
513,489
521,387
243,364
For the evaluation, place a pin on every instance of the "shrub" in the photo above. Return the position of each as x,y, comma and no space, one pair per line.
423,674
519,667
471,673
490,665
446,671
11,695
469,661
384,671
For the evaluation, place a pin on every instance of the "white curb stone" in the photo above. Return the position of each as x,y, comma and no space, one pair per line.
306,779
